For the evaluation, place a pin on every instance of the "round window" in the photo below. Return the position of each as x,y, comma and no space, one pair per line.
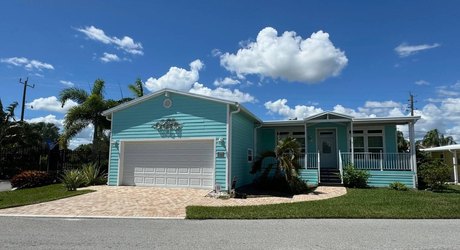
167,103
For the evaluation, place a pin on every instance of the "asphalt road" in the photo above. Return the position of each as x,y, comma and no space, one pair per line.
52,233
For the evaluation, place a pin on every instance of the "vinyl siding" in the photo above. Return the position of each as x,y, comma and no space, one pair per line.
242,140
385,178
310,176
200,119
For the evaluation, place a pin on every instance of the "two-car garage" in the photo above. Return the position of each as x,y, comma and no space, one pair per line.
168,163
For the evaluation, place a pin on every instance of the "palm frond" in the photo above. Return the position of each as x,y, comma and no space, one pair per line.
75,94
98,88
137,88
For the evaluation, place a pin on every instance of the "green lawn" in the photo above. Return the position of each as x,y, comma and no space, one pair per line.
357,203
36,195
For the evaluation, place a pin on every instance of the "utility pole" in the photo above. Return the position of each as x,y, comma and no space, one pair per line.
411,104
24,95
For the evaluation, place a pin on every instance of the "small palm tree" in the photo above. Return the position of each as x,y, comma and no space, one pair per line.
286,153
6,120
137,88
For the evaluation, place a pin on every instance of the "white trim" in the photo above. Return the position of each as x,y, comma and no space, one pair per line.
252,155
227,147
365,135
123,141
121,158
110,151
166,90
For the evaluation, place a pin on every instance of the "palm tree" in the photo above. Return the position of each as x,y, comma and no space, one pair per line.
89,111
137,88
286,153
5,119
433,138
403,144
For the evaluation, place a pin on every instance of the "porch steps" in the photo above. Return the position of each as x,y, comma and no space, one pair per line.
330,176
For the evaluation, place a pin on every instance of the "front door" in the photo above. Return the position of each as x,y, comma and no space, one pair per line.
327,148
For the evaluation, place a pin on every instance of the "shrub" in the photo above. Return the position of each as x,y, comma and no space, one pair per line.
435,174
398,186
30,179
355,178
91,173
73,179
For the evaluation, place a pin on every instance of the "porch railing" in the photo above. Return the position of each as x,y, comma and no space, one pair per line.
377,161
309,160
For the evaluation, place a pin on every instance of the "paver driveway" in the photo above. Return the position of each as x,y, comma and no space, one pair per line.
149,202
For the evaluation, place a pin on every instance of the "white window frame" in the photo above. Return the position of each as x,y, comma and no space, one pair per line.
366,135
250,153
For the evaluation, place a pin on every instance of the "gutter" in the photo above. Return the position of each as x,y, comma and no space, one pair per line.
229,146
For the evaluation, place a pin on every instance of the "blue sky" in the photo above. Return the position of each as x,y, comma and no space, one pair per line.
282,59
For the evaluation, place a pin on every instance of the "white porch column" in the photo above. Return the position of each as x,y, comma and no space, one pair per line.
413,159
455,165
352,145
306,146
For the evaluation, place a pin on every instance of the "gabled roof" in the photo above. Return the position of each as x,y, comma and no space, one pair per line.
442,148
135,101
328,115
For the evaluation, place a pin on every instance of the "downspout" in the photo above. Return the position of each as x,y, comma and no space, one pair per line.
229,146
455,165
255,138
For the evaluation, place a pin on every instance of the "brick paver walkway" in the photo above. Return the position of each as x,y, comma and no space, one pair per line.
150,202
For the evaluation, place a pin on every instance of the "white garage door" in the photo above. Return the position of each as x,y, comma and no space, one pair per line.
176,163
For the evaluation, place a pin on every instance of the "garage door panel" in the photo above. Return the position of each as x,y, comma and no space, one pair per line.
169,163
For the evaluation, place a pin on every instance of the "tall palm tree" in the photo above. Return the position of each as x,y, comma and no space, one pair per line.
137,88
433,138
89,111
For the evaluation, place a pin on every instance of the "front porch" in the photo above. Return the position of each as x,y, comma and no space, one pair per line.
330,141
384,168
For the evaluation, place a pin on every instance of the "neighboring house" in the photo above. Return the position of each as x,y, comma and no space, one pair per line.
450,154
176,139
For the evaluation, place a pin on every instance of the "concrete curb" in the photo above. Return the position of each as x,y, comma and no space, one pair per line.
91,217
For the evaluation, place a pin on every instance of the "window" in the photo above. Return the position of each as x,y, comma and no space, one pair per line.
250,155
298,135
368,140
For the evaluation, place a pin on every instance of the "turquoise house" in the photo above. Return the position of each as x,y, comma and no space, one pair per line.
175,139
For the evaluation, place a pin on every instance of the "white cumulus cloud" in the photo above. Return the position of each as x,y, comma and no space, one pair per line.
422,82
405,50
27,63
47,119
67,83
50,104
281,108
222,93
126,43
107,57
227,81
288,57
176,78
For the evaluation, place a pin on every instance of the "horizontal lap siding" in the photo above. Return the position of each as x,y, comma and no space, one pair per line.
242,140
385,178
200,119
309,175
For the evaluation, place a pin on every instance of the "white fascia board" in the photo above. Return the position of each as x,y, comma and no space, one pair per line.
381,120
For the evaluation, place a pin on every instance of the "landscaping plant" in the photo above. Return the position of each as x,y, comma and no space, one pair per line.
355,178
435,174
73,179
30,179
92,175
398,186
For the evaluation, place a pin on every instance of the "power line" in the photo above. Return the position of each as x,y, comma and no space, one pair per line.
24,95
